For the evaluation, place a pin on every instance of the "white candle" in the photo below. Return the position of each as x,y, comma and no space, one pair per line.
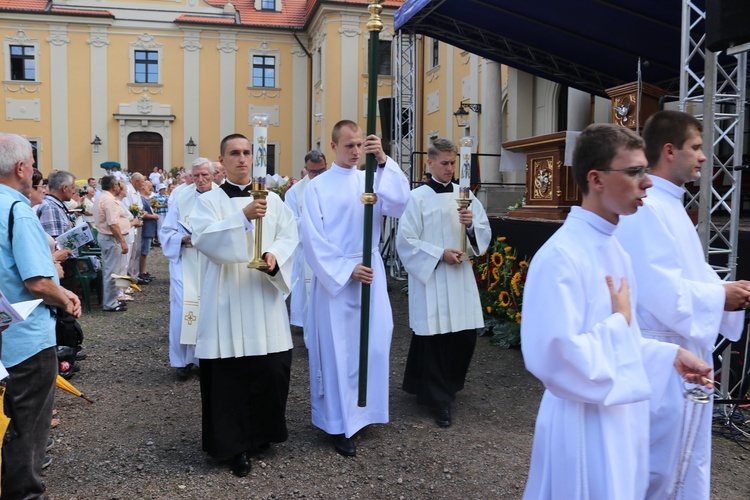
464,162
260,146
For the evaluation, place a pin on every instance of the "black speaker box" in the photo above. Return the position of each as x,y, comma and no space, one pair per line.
727,23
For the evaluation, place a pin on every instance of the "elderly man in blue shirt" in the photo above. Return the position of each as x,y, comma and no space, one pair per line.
27,272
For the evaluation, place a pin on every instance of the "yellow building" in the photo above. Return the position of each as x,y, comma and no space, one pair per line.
137,81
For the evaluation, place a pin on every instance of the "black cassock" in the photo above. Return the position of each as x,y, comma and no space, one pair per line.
244,399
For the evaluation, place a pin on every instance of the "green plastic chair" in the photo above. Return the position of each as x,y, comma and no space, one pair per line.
88,278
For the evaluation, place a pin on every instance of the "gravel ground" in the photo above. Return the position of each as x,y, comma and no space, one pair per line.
142,436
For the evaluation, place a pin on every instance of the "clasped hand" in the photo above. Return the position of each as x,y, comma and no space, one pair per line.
256,209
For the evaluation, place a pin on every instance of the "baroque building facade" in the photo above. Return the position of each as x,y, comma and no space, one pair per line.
145,78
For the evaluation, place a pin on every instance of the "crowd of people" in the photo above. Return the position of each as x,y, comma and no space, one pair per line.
620,308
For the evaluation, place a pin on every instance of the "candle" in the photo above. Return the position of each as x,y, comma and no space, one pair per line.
260,140
464,173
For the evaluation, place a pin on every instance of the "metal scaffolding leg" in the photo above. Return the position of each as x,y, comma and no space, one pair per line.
714,91
404,143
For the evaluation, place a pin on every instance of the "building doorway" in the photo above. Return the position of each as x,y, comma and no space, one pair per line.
145,151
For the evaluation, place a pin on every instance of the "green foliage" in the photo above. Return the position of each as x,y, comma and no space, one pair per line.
500,279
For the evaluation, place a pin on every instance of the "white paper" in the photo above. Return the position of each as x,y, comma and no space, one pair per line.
15,313
74,238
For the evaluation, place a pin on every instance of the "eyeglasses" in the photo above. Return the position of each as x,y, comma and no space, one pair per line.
313,173
38,186
636,172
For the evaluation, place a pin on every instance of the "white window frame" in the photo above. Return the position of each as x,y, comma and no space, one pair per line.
147,42
20,38
259,5
264,51
434,48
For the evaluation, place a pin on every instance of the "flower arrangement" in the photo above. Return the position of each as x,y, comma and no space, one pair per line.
136,211
154,202
281,190
501,278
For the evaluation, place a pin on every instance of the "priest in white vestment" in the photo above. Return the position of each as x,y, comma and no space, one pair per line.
186,266
681,300
244,344
332,235
444,306
315,164
580,336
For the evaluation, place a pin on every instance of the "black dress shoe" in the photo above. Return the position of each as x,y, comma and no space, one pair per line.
240,465
344,445
443,416
183,373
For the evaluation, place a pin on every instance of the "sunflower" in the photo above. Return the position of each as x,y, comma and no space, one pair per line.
484,273
496,273
501,238
518,318
514,284
507,249
504,298
489,309
523,264
497,259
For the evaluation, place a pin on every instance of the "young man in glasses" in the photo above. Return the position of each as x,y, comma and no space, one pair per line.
681,300
580,336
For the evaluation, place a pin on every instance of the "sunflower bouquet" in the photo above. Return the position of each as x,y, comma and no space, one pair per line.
500,278
136,211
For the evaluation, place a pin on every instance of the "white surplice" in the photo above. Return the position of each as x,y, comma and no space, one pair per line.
302,273
681,301
242,311
186,266
591,436
332,235
442,298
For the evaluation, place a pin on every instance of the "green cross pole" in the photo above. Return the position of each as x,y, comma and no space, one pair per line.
374,26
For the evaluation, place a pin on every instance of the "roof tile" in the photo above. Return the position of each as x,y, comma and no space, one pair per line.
294,13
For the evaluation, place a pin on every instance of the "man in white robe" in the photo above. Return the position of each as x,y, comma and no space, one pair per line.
444,306
244,344
186,266
580,337
681,300
315,164
332,235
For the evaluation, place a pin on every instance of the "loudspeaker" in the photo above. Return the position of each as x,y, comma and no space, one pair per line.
386,107
727,23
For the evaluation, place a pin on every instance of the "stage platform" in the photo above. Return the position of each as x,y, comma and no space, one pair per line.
527,235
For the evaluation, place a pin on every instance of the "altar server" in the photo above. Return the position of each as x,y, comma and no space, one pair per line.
580,337
332,235
444,306
186,267
681,299
315,164
244,344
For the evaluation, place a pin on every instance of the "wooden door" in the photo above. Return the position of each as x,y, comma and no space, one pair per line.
145,151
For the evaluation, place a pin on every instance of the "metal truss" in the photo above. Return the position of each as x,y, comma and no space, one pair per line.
712,87
404,128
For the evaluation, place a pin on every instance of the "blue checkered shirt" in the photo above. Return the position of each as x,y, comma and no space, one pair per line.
54,216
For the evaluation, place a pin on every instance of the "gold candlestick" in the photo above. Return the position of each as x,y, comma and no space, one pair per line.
463,200
259,193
